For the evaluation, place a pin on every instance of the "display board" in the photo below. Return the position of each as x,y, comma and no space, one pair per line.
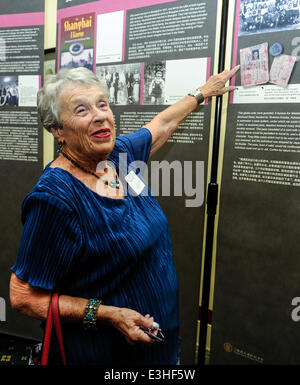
257,274
151,53
21,143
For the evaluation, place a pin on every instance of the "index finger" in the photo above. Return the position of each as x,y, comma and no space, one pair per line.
234,70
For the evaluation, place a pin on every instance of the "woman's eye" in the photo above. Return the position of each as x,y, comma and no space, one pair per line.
102,105
80,110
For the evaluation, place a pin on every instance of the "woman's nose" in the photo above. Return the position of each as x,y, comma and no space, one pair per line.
98,115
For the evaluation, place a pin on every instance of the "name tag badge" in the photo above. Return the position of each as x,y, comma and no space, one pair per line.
135,182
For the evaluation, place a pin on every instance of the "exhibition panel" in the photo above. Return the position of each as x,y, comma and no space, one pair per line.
21,137
152,53
257,249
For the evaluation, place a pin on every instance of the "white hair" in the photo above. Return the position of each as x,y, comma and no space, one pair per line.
48,95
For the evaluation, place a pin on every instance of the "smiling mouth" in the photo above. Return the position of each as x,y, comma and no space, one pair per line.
104,133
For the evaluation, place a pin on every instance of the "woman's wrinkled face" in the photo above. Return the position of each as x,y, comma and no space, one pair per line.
88,122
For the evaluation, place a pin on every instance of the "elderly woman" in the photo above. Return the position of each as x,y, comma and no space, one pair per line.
88,240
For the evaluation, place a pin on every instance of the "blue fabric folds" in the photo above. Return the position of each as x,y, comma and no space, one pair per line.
82,244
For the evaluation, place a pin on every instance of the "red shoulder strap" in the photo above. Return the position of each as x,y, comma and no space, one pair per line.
57,325
53,316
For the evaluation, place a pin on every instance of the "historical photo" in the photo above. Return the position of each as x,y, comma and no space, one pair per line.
123,82
154,83
261,16
9,91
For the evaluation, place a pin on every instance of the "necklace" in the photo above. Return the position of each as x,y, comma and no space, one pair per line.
114,183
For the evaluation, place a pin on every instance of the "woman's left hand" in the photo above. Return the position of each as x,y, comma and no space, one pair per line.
215,85
129,322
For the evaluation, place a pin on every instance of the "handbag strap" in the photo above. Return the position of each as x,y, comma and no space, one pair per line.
53,316
57,326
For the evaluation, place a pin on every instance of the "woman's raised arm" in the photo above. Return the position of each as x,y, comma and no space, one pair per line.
166,122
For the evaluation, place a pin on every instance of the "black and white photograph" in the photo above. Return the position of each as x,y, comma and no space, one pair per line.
9,91
263,16
123,82
154,83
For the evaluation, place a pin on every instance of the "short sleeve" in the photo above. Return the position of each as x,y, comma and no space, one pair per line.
50,242
137,145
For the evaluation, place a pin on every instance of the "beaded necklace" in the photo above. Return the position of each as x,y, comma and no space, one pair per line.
114,183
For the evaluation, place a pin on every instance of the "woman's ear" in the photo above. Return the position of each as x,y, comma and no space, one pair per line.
57,133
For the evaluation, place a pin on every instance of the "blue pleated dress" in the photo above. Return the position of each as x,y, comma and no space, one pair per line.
82,244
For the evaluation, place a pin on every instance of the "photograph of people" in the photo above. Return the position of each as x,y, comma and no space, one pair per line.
136,87
3,96
156,88
260,16
123,82
107,254
154,83
13,92
9,91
